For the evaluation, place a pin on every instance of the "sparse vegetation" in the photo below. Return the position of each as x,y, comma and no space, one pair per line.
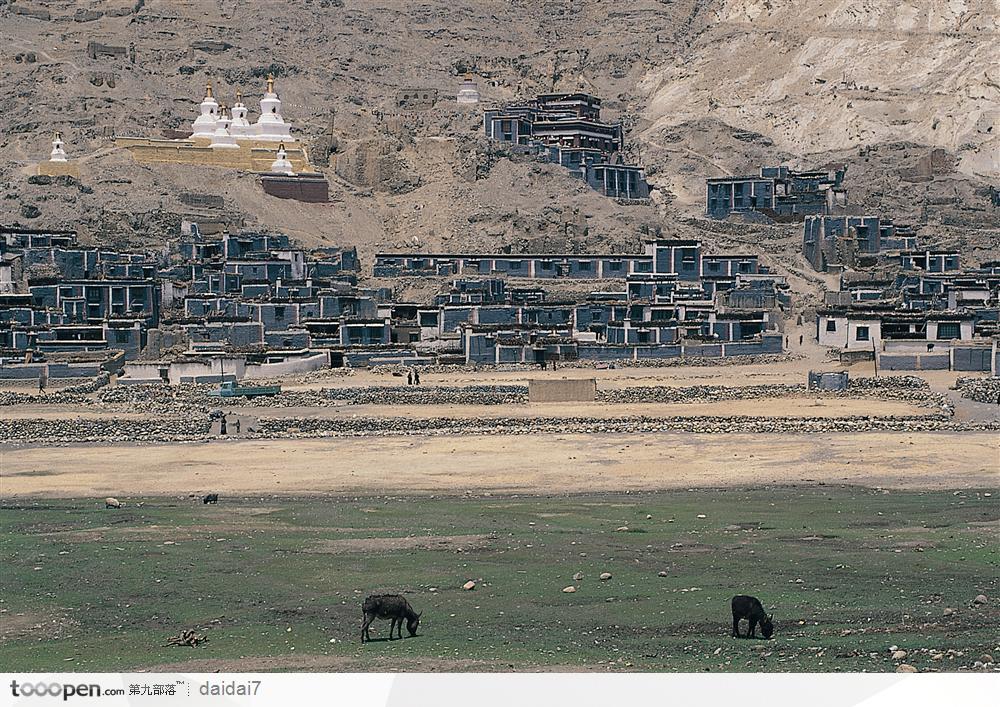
848,573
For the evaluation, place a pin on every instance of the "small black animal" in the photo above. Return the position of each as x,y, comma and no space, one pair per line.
389,606
210,498
750,608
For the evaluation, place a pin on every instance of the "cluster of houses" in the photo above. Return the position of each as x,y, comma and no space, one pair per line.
904,304
255,301
778,193
919,310
566,129
672,300
899,302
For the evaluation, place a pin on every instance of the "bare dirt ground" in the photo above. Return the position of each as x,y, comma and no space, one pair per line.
535,464
765,407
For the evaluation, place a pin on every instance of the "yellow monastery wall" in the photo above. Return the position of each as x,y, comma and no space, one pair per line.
251,155
57,169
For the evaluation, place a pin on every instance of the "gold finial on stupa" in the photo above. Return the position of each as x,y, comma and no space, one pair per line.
208,90
270,83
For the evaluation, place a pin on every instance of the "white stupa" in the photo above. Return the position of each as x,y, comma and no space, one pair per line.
204,124
468,92
221,138
282,165
240,127
58,153
270,125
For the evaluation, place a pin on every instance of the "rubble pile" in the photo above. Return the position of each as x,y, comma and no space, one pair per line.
194,427
437,395
365,427
980,390
695,393
701,361
37,430
91,386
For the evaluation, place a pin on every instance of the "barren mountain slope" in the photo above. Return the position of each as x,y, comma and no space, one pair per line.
817,75
701,84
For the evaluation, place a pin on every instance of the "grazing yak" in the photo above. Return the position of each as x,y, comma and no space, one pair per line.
110,502
750,608
210,498
389,606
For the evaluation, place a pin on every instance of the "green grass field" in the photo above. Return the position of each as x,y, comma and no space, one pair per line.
277,583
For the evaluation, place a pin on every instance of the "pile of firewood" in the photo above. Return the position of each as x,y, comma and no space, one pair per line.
187,638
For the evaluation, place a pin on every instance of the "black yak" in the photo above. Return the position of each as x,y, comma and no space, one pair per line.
389,606
211,498
750,608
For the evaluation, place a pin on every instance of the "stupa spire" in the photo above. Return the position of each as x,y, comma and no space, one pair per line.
204,124
58,153
281,164
270,125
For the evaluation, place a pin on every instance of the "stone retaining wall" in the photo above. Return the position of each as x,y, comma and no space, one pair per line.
980,390
34,431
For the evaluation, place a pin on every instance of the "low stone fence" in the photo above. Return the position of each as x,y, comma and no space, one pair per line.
980,390
198,427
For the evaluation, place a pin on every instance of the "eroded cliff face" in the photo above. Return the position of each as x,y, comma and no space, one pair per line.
821,75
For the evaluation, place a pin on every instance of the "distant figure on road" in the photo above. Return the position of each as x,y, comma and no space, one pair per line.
222,429
416,377
409,377
800,339
237,426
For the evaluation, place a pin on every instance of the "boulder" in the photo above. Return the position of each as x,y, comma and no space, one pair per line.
906,668
605,576
569,590
469,585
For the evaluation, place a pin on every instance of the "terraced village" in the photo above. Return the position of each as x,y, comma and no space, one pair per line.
537,340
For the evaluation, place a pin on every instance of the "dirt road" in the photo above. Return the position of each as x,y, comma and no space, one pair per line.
524,464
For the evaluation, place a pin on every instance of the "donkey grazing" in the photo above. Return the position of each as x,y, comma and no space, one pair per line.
750,608
389,606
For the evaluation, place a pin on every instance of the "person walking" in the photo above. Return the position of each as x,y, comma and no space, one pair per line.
416,377
409,377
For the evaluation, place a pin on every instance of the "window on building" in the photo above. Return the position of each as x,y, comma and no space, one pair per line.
279,312
831,325
861,333
744,266
585,265
121,336
515,265
615,265
546,265
714,266
949,330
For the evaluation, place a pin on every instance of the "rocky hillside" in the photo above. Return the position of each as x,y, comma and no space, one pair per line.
705,87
